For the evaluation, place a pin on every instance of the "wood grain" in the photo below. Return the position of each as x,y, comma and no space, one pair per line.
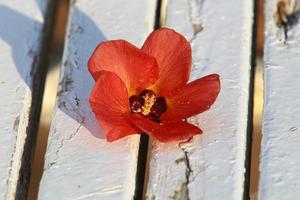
210,166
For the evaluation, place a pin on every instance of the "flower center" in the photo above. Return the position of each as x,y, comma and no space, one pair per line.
148,104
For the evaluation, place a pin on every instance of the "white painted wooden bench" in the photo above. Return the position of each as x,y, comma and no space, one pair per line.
80,164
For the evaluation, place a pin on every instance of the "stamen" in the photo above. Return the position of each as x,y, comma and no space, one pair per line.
149,100
148,104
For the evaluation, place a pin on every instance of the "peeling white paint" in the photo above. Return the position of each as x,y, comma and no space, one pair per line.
79,163
217,157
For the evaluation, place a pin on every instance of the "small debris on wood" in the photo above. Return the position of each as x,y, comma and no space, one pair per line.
286,15
16,123
197,28
293,129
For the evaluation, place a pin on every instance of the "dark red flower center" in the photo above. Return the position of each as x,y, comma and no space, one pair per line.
148,104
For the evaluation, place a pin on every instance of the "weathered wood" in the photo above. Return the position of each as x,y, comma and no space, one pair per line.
211,166
23,30
280,158
79,163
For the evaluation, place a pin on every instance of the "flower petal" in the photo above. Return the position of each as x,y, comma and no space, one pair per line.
135,68
109,101
173,54
192,99
165,132
120,132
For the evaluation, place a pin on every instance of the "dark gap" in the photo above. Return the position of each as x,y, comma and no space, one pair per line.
157,15
246,194
254,111
54,45
141,171
257,101
141,167
38,74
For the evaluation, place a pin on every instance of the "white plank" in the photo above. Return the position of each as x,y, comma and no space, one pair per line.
79,163
210,166
280,158
20,33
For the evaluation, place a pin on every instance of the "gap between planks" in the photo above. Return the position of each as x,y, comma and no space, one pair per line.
145,145
50,90
38,73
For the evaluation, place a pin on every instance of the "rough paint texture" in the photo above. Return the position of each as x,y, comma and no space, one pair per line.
210,166
20,33
79,163
280,158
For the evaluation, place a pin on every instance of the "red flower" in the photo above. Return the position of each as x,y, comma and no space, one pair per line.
146,90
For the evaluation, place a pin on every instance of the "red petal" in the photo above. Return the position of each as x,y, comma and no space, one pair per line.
119,132
165,132
135,68
173,54
109,101
192,99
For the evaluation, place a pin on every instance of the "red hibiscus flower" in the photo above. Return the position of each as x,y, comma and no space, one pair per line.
146,90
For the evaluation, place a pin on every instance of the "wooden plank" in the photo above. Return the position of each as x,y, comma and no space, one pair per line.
280,158
22,34
79,163
210,166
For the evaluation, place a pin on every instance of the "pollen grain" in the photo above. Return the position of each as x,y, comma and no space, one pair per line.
149,102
